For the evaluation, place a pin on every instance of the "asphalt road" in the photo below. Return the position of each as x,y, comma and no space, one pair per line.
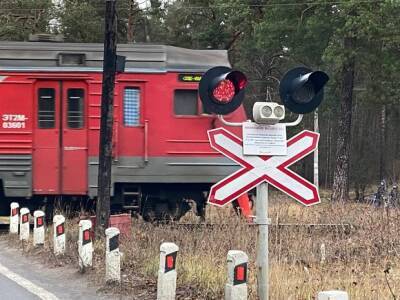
11,290
21,278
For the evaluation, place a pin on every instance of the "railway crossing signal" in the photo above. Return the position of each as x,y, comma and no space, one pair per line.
258,169
302,90
222,90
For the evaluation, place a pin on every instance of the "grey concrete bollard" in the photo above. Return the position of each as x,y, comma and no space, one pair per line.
59,234
38,228
113,255
85,245
14,217
166,283
24,224
333,295
236,287
323,253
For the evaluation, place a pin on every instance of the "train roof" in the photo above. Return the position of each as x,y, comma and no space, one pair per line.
147,58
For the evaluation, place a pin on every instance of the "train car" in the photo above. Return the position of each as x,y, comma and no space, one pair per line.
50,96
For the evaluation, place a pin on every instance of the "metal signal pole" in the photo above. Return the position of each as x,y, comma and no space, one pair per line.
106,122
262,241
316,129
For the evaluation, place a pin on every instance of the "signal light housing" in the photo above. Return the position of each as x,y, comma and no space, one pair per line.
302,90
221,90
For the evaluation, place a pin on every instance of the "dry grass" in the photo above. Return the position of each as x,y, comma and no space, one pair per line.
356,258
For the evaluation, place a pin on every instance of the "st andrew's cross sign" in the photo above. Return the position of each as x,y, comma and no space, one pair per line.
257,169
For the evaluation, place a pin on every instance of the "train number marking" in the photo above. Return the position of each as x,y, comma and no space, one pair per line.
13,121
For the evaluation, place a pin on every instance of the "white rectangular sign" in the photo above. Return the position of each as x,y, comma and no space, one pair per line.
262,139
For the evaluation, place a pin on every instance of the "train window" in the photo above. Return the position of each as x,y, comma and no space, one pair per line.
46,108
75,108
131,107
185,103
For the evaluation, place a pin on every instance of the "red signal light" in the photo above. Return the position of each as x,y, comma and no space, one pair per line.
221,90
224,91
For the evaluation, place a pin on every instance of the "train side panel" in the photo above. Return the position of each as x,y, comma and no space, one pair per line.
16,135
157,138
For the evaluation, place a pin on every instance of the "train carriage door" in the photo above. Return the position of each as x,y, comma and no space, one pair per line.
60,143
133,137
46,152
74,138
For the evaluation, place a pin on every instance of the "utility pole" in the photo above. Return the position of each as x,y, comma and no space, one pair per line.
107,118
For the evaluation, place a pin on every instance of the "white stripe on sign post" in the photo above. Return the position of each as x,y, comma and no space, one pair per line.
85,245
14,217
333,295
59,234
24,224
113,256
166,283
38,228
236,287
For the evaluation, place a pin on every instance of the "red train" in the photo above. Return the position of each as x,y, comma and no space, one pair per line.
50,119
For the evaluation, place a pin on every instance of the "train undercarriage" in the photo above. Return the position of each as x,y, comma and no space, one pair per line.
153,202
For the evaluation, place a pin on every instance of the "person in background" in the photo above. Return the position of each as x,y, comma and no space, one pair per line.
379,195
394,197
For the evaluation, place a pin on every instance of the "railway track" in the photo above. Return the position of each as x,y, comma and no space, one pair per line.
340,227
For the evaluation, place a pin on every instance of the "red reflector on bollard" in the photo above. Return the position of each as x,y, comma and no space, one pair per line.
39,221
25,218
60,229
86,237
240,274
14,212
170,261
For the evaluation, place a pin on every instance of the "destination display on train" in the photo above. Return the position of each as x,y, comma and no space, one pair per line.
189,77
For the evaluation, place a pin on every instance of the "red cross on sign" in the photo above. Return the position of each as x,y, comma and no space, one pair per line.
256,169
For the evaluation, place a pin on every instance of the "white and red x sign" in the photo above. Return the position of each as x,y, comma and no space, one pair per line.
256,169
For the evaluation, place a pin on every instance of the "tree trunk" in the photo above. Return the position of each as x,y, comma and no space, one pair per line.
106,122
130,22
341,175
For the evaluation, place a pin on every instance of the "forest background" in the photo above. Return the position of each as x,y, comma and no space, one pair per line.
356,42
